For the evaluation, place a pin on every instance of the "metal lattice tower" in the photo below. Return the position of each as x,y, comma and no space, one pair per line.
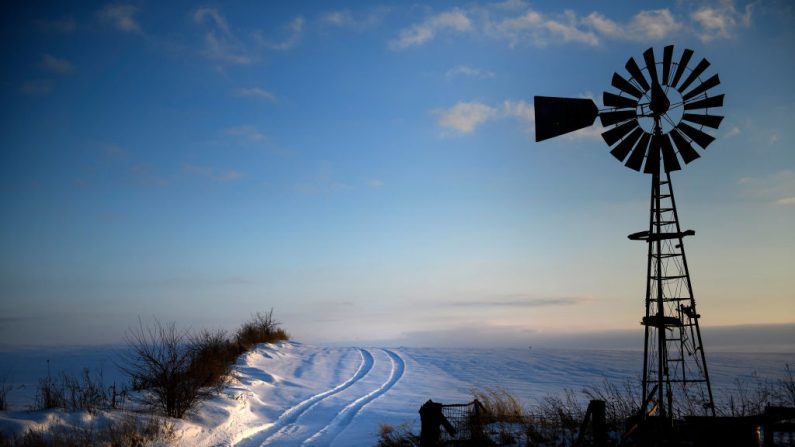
652,123
675,376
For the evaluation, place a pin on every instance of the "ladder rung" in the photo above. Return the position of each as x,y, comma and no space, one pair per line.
666,255
667,278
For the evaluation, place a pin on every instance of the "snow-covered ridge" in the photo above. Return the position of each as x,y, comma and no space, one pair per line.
292,394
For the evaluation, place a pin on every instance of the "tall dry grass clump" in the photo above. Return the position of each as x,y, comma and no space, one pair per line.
261,328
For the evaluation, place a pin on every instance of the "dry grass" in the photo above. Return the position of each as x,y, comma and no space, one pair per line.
130,431
75,393
389,436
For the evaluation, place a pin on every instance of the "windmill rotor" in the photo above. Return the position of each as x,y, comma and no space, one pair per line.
652,119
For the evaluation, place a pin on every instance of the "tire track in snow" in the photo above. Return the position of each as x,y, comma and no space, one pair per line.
291,414
330,432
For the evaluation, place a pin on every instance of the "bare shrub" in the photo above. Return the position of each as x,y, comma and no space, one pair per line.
212,356
157,365
786,389
5,388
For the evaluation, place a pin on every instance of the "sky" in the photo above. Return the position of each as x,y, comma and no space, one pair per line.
369,170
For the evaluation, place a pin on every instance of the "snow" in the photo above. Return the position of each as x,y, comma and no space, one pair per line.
292,394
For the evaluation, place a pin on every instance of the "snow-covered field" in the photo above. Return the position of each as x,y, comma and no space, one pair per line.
291,394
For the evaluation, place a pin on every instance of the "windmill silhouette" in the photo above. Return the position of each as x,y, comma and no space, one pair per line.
658,113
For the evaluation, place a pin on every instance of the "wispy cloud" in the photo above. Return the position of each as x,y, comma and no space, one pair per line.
323,180
467,71
144,174
721,21
375,183
778,188
219,42
732,132
518,24
256,93
218,175
245,132
293,30
212,15
63,25
55,65
524,301
521,110
645,26
535,28
421,33
121,16
36,87
465,117
344,18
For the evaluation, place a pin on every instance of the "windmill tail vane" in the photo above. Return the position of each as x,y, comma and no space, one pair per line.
654,121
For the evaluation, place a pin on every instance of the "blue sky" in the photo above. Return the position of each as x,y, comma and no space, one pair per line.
369,170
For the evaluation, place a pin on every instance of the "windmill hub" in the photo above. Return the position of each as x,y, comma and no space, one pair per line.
669,116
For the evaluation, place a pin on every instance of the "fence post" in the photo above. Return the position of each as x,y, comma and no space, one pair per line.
599,423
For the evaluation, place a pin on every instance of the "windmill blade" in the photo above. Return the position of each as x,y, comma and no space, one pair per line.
653,158
637,75
685,149
694,74
622,149
712,121
625,86
706,85
651,65
621,102
708,103
558,116
680,69
610,118
669,155
703,139
668,54
618,132
635,159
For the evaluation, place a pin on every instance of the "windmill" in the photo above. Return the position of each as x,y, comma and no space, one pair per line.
652,122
